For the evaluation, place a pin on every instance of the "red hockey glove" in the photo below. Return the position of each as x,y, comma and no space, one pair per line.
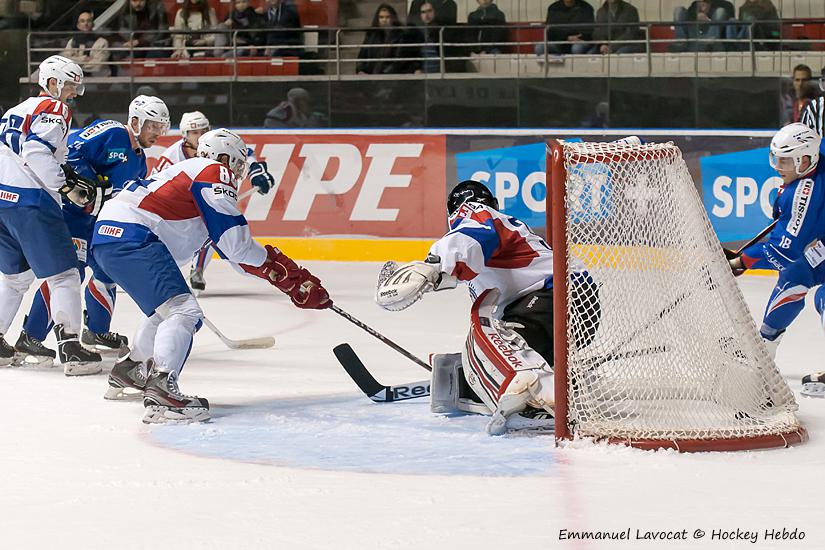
279,270
310,294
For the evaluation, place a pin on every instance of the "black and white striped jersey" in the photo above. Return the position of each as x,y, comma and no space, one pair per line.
813,115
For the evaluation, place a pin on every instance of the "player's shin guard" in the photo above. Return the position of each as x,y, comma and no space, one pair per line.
12,289
181,319
65,300
143,343
38,322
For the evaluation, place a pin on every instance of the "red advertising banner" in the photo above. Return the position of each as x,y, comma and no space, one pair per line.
347,185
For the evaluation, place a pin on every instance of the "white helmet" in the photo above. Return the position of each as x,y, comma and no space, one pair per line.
63,70
195,120
221,141
148,107
795,141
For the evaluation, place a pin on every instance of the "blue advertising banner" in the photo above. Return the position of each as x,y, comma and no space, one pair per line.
515,175
738,191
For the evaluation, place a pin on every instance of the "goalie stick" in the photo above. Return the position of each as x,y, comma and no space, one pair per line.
249,343
370,386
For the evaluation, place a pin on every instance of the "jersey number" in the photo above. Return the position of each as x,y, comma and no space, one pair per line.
10,135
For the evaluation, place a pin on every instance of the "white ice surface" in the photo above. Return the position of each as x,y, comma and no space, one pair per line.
296,457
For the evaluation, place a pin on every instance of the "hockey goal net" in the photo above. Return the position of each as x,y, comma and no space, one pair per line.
654,345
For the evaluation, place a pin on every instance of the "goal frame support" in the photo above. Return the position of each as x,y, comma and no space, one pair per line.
556,213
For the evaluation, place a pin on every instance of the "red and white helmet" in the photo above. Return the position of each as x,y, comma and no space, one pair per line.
149,107
221,141
195,120
63,70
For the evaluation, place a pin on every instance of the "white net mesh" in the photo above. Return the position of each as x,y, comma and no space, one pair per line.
660,342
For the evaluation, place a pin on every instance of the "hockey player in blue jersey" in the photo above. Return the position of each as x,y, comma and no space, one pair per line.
108,150
795,247
34,238
800,206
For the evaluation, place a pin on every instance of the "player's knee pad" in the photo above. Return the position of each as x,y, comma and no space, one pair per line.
67,280
184,309
448,389
18,282
496,357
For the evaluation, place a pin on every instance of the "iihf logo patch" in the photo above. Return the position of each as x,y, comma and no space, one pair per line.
110,231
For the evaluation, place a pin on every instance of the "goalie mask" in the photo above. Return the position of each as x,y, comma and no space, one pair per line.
470,191
791,144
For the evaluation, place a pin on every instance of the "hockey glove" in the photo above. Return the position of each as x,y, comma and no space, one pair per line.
279,270
310,294
737,266
103,192
78,190
260,177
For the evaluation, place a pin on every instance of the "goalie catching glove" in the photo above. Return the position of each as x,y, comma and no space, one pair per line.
85,193
304,289
399,287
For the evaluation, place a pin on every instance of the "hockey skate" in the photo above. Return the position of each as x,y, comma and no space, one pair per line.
30,352
127,380
76,360
196,281
531,421
165,403
813,385
6,353
102,342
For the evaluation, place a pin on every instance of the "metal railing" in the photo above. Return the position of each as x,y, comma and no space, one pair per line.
418,52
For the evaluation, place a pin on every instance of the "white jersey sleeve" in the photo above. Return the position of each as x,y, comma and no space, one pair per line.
217,200
44,146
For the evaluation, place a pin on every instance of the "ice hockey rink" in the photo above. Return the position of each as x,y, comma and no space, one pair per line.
296,457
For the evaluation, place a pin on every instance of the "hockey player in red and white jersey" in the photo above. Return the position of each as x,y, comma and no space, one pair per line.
505,368
153,225
34,238
192,126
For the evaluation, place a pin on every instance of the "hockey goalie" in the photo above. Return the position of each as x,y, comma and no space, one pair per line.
505,369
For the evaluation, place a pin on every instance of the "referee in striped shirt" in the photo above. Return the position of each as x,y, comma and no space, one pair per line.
813,115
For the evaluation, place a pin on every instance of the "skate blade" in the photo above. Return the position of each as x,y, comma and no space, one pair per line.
102,350
156,414
7,362
82,369
813,389
27,361
123,394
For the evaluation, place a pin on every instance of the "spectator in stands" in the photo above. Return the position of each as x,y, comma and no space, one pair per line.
794,102
610,38
487,15
704,20
568,12
87,48
384,44
282,19
428,39
295,112
446,12
196,17
144,18
751,12
245,20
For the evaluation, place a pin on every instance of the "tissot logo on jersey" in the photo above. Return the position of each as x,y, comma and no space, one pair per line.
110,231
801,200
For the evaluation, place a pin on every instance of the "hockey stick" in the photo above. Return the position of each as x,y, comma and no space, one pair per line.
758,237
250,343
247,193
380,336
370,386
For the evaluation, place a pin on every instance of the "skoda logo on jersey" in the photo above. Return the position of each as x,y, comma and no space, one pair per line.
225,191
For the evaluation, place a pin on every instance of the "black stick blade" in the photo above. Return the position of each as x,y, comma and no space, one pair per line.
359,373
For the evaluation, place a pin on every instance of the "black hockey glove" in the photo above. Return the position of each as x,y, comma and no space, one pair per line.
84,192
737,266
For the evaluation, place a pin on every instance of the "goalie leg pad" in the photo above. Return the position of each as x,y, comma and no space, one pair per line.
505,372
448,392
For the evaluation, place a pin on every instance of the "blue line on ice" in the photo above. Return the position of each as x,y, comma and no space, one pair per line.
352,434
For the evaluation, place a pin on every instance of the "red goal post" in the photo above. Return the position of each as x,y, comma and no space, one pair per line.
675,359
